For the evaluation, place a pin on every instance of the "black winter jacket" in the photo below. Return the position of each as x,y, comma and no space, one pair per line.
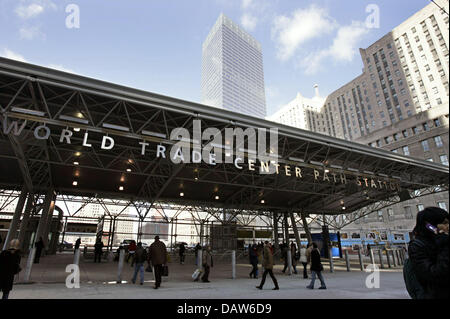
430,260
9,266
140,256
316,264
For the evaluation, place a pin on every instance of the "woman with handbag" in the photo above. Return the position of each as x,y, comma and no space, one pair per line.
316,268
9,267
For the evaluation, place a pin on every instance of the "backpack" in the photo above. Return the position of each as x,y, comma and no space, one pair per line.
413,286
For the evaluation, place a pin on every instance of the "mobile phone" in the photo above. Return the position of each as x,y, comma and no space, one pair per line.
431,228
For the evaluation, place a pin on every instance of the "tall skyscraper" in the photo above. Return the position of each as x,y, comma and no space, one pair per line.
399,103
232,70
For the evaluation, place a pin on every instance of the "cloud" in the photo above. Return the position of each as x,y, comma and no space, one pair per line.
343,48
246,4
289,33
7,53
32,10
249,22
12,55
30,33
272,91
60,68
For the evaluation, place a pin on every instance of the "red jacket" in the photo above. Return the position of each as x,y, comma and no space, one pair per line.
132,247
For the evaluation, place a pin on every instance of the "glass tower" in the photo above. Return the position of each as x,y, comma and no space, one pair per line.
232,70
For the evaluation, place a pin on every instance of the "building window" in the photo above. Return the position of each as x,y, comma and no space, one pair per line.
425,127
419,207
405,150
444,160
425,145
429,159
405,133
437,122
438,141
390,213
442,205
396,136
408,212
380,216
415,130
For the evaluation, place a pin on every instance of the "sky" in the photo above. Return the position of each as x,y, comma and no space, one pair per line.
155,45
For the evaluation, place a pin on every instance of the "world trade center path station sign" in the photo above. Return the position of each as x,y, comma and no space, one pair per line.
81,136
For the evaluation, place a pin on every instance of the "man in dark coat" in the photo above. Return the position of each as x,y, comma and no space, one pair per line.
77,245
429,254
158,257
316,268
268,266
98,251
182,253
140,256
39,246
253,256
207,263
9,267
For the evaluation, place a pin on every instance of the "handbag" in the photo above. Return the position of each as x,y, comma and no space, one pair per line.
165,271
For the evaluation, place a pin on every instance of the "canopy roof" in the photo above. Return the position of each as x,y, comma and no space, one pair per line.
60,100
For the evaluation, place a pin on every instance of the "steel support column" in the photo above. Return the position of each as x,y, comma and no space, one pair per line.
306,227
286,229
24,222
12,232
43,220
275,231
294,227
55,235
48,224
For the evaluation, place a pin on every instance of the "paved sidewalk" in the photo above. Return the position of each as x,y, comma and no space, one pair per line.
99,281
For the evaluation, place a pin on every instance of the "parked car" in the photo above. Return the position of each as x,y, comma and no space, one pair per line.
65,245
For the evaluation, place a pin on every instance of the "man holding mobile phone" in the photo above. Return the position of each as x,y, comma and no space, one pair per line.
428,252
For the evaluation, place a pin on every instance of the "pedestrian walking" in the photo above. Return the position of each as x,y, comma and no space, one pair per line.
140,256
131,250
9,267
196,250
253,256
284,250
98,251
158,257
316,268
207,263
429,256
182,253
304,260
368,250
77,245
268,266
294,257
39,246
